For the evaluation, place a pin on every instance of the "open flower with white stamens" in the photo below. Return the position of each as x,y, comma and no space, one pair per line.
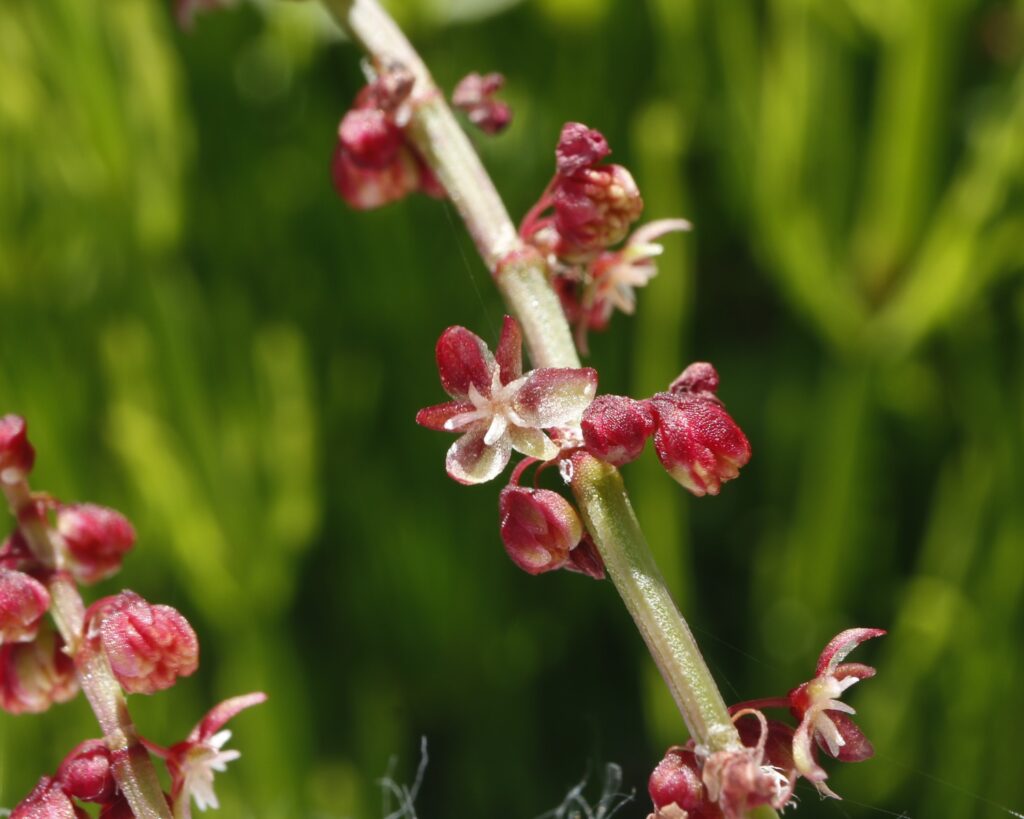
496,408
823,716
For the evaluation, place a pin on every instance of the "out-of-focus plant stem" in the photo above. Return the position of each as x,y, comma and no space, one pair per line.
132,767
522,280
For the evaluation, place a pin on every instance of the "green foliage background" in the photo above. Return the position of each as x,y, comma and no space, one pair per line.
203,336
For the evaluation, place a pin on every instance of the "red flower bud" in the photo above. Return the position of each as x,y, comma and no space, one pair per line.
97,539
85,772
697,441
149,646
370,138
23,602
35,675
16,453
615,428
594,209
697,379
676,781
475,95
538,527
47,801
579,147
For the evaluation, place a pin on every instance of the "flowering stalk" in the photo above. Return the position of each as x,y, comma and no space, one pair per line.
131,765
520,274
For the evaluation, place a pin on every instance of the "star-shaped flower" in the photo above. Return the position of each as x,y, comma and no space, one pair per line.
823,716
194,762
497,408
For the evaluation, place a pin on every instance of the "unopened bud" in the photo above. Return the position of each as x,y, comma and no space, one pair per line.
699,378
370,137
475,94
676,781
35,675
579,147
16,453
616,427
538,527
594,209
148,646
47,801
23,602
97,539
85,772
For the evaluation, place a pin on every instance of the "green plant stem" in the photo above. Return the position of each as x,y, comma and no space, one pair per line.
522,279
131,764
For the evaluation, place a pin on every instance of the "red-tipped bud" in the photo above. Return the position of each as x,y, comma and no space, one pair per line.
23,602
16,453
697,441
47,801
594,209
579,147
97,539
34,676
697,379
370,138
475,95
676,781
85,772
538,527
149,646
615,428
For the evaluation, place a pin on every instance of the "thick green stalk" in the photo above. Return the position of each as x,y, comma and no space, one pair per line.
522,279
132,767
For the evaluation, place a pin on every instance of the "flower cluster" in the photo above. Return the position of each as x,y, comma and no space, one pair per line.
475,95
690,783
146,647
374,163
697,441
586,209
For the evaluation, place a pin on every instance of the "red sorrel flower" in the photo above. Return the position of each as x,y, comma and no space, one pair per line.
35,675
85,772
97,539
23,602
475,94
676,787
149,646
697,441
193,762
538,527
47,801
16,453
496,408
822,716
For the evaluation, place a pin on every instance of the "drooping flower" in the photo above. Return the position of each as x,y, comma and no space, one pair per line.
97,539
496,408
475,94
538,527
36,675
47,801
193,762
23,602
823,717
148,646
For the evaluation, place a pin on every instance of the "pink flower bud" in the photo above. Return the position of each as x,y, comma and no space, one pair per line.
676,781
697,441
579,147
697,379
366,189
16,453
97,538
370,138
594,209
475,95
149,646
47,801
85,772
538,527
615,428
23,602
35,675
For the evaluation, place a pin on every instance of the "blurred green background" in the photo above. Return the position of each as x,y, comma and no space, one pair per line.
202,335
